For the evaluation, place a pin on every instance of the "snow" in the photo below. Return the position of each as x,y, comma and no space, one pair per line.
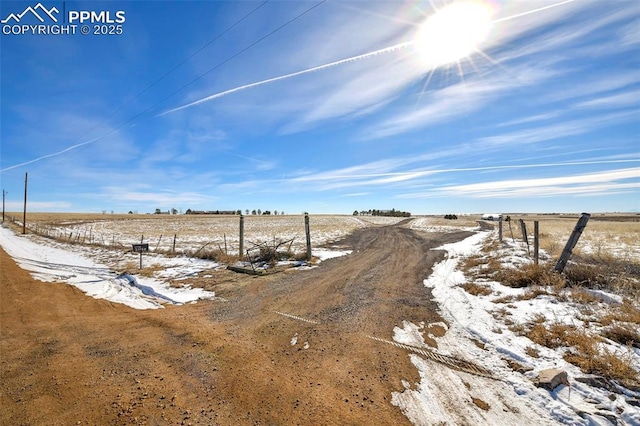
54,264
446,396
324,254
92,269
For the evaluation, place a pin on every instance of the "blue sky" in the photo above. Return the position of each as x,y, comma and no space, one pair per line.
540,113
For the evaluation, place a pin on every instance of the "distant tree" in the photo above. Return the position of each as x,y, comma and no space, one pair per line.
188,211
130,212
174,211
238,212
355,212
275,212
246,212
104,211
266,212
253,212
157,211
281,213
259,211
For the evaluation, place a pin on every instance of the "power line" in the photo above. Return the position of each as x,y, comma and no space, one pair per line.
79,144
300,15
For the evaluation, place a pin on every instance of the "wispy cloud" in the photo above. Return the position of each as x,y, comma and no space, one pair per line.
558,131
590,86
620,100
394,173
458,100
157,197
590,183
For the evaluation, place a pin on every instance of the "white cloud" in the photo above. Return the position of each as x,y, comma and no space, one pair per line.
590,183
457,100
620,100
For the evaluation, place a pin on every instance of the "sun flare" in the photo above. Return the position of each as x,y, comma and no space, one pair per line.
453,33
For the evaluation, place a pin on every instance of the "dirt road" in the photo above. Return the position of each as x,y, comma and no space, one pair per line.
290,348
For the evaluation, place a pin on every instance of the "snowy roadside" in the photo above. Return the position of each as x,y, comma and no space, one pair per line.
92,270
479,330
55,264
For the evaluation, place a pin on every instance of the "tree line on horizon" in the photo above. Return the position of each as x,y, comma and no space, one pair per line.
374,212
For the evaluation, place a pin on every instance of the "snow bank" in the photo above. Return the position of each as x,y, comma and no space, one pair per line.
476,333
52,264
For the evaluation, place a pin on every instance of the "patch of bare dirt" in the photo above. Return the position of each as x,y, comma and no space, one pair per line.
70,359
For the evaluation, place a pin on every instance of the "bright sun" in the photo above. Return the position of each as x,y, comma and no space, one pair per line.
453,33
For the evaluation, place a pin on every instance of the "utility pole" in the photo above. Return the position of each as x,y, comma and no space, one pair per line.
4,194
24,213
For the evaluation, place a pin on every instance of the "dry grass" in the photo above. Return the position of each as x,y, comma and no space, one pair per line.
604,233
532,352
553,335
579,295
623,334
476,289
591,359
628,312
533,292
504,299
481,266
480,404
585,351
613,275
529,275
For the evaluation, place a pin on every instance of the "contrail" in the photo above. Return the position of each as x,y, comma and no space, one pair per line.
340,62
419,173
69,148
293,74
540,9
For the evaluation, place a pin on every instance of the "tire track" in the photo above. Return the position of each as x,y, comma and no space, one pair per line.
296,318
446,360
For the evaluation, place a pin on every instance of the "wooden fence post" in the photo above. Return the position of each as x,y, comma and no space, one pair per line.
24,213
500,230
571,242
308,234
174,242
241,250
525,238
536,242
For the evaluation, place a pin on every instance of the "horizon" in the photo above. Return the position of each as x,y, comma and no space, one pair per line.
299,106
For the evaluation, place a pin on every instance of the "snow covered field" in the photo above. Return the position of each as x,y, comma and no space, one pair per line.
479,329
69,265
92,268
193,231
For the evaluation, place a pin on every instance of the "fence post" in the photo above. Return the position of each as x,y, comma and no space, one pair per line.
174,242
241,250
536,242
24,213
308,234
571,242
524,234
500,230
